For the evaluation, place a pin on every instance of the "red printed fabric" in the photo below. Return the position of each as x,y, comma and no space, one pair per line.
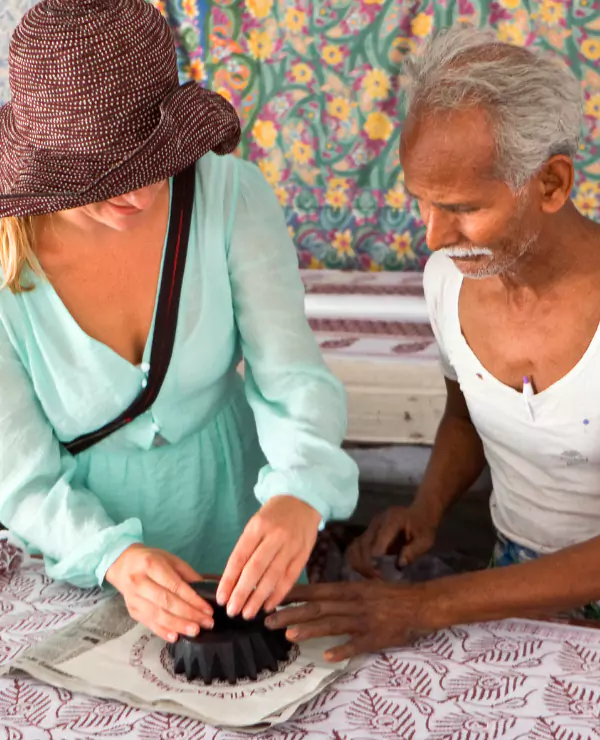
513,679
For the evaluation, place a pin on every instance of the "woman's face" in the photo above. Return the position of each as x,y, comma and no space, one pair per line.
123,213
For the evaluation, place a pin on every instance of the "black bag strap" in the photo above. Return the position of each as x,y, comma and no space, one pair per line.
167,310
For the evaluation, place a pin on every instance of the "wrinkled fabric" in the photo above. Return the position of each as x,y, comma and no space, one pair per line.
188,474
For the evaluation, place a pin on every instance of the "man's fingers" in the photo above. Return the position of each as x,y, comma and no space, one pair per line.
388,532
253,571
327,627
320,592
238,559
352,648
360,559
416,547
367,642
360,552
307,612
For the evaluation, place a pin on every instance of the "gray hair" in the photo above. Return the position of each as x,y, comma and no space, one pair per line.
533,99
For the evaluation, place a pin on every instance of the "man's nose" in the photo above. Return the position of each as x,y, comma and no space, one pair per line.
442,230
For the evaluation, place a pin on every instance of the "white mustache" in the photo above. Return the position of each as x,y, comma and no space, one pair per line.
459,252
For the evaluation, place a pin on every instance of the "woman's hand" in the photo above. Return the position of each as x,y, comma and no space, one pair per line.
415,526
269,556
155,586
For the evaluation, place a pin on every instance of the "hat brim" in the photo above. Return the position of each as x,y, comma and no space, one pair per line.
193,121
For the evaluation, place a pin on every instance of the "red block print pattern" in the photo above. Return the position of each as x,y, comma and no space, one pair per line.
505,680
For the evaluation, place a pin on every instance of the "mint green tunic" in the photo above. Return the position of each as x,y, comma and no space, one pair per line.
187,475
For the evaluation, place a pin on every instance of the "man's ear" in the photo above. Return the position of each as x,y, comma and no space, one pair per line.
555,182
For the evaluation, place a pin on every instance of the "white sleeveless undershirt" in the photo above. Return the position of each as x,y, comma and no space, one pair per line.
543,451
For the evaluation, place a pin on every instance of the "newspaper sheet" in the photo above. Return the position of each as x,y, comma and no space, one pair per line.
107,654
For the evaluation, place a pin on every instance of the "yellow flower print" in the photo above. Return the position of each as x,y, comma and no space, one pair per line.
339,108
590,48
421,25
377,84
264,133
592,105
190,8
510,4
225,93
590,187
301,152
510,33
261,44
395,199
270,171
315,264
338,183
291,232
259,8
336,198
332,54
302,73
282,195
403,45
586,204
402,244
295,20
161,6
551,11
342,243
373,2
378,126
195,70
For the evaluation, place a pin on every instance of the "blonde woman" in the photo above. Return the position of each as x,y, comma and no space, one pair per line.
138,267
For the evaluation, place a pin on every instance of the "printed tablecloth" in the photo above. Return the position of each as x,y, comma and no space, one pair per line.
513,679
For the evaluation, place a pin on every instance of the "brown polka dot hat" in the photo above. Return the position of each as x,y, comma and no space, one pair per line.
96,107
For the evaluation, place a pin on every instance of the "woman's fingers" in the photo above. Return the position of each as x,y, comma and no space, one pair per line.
243,551
157,595
174,590
268,554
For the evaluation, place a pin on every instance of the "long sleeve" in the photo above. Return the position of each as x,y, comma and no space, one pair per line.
38,499
299,407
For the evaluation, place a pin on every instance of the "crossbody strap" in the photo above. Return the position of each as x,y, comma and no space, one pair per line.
167,311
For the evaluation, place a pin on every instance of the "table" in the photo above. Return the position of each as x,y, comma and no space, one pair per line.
513,679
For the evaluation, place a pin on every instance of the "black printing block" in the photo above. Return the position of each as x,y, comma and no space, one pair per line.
234,649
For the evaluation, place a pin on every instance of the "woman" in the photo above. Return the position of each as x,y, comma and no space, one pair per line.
130,447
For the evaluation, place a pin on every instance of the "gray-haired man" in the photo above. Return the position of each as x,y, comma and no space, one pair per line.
487,150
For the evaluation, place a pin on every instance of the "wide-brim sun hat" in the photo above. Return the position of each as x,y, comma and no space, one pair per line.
96,107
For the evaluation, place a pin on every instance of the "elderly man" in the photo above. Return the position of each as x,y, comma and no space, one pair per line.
513,291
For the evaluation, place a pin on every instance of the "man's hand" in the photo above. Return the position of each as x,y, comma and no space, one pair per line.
415,525
269,556
155,587
379,615
374,615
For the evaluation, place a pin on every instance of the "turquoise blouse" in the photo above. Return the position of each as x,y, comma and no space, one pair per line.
187,475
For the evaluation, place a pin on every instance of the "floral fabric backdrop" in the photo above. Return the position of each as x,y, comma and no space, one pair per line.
318,86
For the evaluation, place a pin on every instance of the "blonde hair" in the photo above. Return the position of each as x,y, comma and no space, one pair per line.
17,253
